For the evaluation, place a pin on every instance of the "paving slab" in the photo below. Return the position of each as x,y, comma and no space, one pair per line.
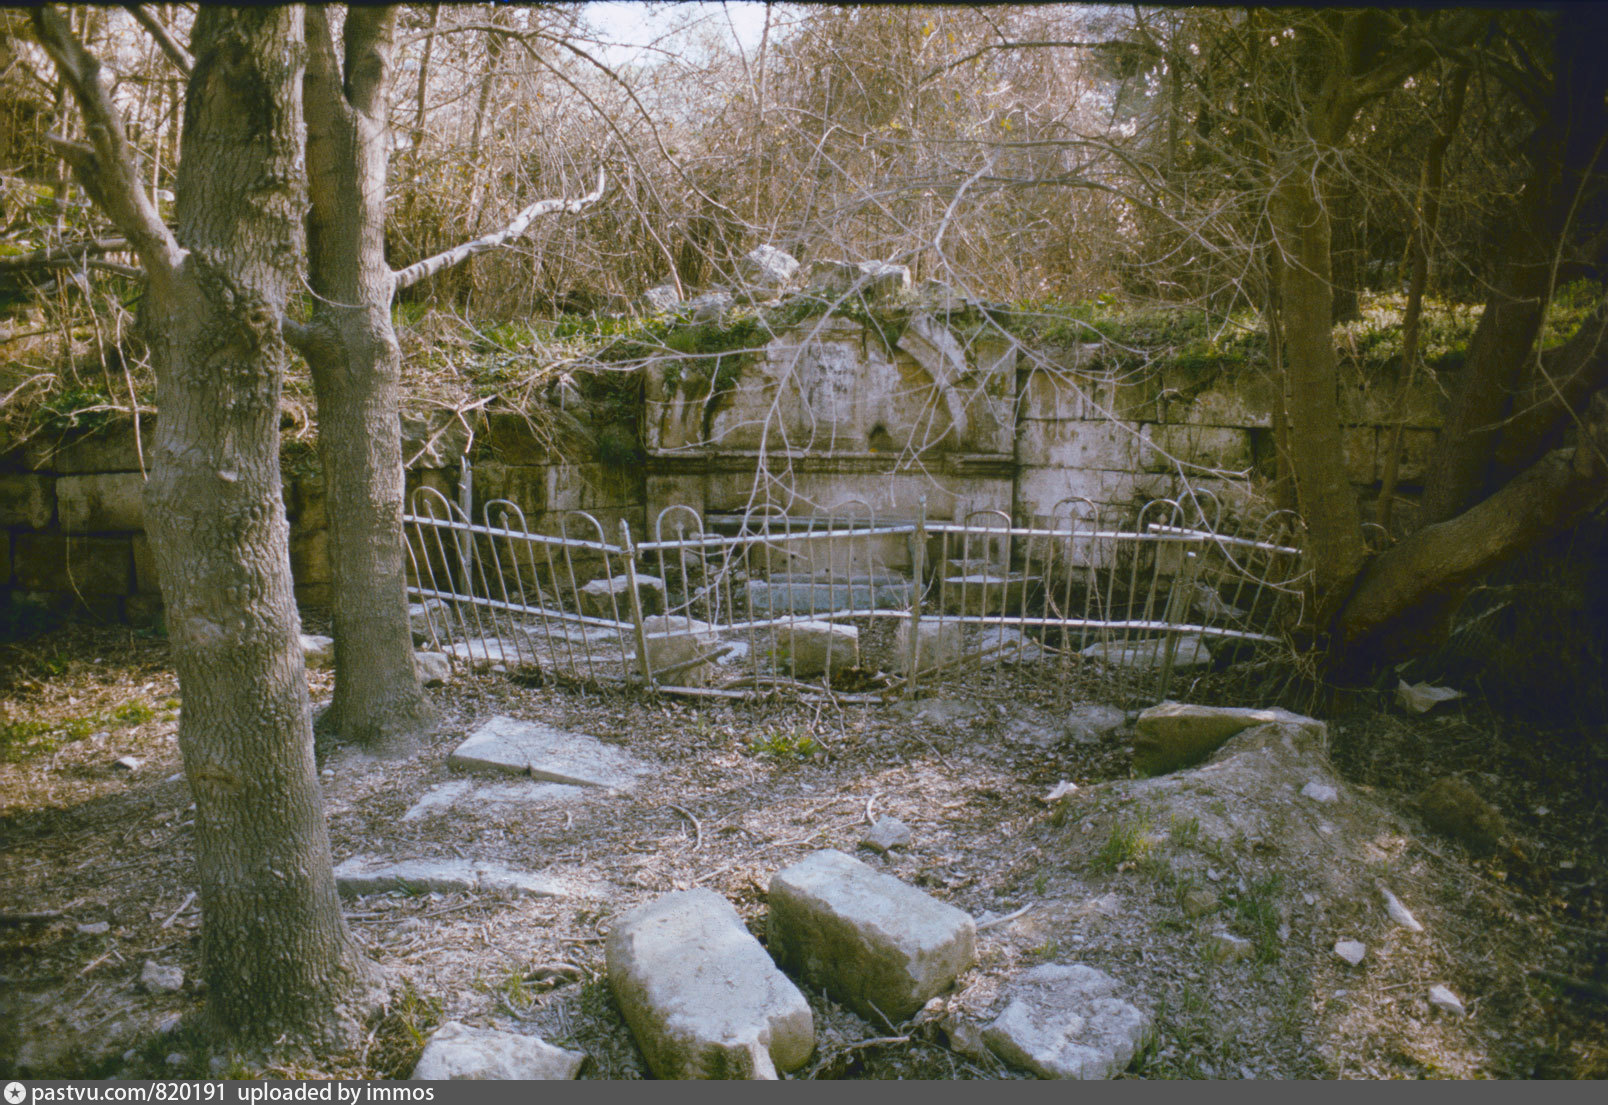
703,999
377,874
543,752
460,795
878,945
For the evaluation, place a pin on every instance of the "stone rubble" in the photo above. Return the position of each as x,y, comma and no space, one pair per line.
433,667
1352,951
161,978
1446,1001
886,834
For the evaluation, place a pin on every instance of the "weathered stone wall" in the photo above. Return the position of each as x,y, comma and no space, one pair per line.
941,417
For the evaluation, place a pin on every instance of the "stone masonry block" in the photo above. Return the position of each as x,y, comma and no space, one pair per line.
146,581
1109,445
27,501
309,557
878,945
58,562
942,642
1358,445
101,501
110,448
701,996
810,648
1224,448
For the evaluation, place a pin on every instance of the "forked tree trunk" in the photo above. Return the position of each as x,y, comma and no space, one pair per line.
356,366
277,956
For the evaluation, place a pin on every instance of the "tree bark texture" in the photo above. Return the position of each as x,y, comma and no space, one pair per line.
277,956
356,366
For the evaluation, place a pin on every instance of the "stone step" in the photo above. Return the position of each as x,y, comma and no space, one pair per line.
878,945
701,996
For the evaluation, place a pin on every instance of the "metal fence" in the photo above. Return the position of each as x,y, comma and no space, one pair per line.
849,604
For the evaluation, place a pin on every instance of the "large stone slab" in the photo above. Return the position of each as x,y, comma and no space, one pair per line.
1171,735
456,1051
543,752
1063,1020
376,874
878,945
701,996
461,795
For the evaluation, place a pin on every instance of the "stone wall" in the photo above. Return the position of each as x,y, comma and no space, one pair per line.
943,417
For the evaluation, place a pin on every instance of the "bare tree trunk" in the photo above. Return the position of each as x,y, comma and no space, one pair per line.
1311,398
357,366
1420,241
277,956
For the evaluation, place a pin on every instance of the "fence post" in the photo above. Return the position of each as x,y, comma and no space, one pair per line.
1183,587
636,602
918,556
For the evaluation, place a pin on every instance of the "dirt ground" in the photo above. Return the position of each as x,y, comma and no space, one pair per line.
741,790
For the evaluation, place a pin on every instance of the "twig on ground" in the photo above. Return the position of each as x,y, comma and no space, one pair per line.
184,905
1005,920
696,824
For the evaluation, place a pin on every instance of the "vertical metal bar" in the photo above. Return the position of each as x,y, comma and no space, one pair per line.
636,605
918,554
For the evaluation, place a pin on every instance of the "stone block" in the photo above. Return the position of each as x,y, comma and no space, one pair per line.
1103,444
359,875
433,442
986,593
146,580
1172,735
309,557
1245,400
101,501
110,448
1358,446
1417,446
878,945
805,594
701,996
1215,447
27,500
1065,1021
87,565
310,502
938,644
807,649
509,436
611,598
456,1051
674,643
766,268
1067,390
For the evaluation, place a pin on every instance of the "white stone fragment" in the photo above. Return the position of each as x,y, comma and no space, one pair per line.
1400,913
1443,999
1352,951
1064,1021
433,667
1420,698
1320,792
886,834
456,1051
317,652
161,978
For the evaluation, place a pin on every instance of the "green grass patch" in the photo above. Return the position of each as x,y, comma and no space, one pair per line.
794,745
1128,844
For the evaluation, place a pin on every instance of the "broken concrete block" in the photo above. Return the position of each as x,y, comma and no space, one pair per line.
876,944
456,1051
939,643
1064,1021
888,833
809,649
1177,734
701,996
433,667
766,268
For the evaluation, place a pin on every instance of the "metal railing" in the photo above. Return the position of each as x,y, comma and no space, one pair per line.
848,603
